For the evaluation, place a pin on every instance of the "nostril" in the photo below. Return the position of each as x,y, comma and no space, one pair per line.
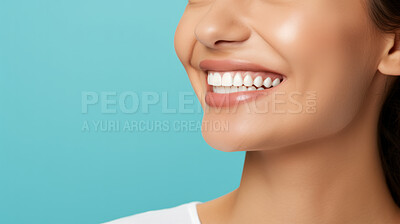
224,42
218,42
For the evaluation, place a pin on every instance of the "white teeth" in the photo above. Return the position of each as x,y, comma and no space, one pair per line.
238,81
258,81
221,89
248,81
234,89
227,79
268,82
242,88
210,79
217,79
232,82
227,89
276,82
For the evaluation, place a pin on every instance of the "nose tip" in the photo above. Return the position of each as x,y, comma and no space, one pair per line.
220,28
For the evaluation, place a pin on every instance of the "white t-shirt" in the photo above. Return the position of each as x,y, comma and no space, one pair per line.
182,214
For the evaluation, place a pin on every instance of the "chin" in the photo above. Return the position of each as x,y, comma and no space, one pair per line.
237,135
248,132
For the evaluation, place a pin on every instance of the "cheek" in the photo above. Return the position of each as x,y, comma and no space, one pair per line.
333,62
324,46
327,54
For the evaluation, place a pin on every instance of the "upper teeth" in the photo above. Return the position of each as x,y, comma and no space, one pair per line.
226,82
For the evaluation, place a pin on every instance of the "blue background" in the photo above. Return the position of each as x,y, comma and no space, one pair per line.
53,172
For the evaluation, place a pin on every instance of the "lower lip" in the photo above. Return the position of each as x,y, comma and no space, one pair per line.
233,99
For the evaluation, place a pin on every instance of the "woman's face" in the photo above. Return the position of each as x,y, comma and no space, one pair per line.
324,53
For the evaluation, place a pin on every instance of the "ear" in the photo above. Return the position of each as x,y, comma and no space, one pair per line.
390,63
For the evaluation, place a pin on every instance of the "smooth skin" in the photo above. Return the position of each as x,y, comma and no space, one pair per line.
300,167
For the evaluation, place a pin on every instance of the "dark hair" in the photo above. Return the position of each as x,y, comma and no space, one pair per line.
386,15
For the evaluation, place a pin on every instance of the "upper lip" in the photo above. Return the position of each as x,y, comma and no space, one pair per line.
232,65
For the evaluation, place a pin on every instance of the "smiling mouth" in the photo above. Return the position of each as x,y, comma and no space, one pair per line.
241,81
230,82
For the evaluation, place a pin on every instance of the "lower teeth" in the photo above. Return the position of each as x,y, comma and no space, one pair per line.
234,89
